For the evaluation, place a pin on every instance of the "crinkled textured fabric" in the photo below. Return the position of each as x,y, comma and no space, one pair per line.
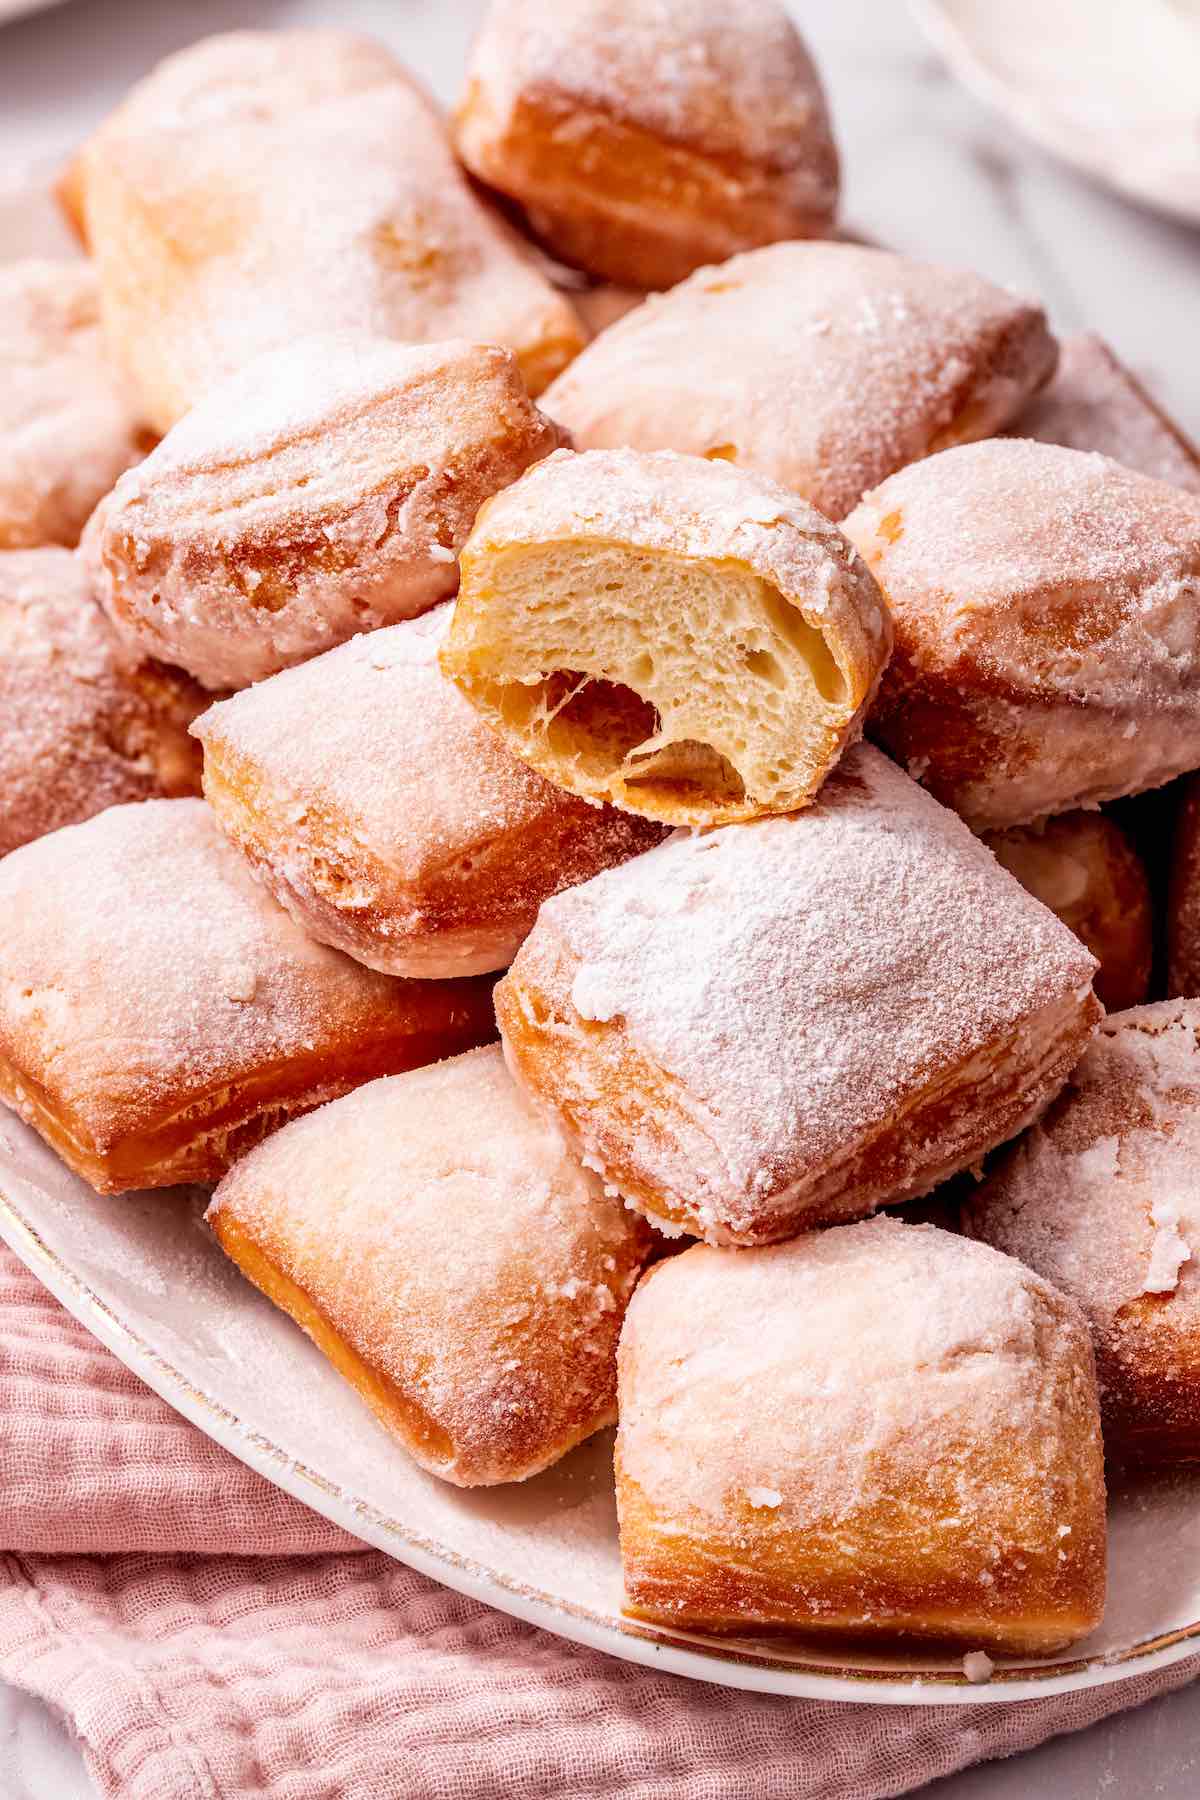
293,1666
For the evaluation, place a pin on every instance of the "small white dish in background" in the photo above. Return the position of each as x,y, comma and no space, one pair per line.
1113,89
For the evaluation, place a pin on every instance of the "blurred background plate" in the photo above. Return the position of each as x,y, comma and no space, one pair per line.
1113,86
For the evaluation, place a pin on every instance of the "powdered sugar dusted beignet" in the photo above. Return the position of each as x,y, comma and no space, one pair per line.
388,818
67,424
325,490
880,1430
824,366
440,1245
85,722
159,1013
1084,868
683,639
1094,403
643,141
1183,898
261,186
1047,612
1102,1198
771,1026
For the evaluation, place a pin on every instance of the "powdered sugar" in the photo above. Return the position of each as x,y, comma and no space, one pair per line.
389,818
318,205
67,423
673,67
907,1441
799,981
85,723
1102,1197
825,366
485,1275
143,967
1045,599
301,500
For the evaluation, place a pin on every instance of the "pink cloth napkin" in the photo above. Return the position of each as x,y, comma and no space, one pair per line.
207,1636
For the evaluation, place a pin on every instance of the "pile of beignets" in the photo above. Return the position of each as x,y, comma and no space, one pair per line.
760,690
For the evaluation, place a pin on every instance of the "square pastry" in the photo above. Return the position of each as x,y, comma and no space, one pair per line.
470,1285
159,1013
878,1430
779,1024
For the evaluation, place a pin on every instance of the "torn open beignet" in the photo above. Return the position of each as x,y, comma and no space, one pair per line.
683,639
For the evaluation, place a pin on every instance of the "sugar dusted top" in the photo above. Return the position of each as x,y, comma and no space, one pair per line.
823,365
143,965
800,978
1102,1195
806,1384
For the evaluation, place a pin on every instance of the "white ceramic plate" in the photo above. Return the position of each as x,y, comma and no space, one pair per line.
146,1277
1112,86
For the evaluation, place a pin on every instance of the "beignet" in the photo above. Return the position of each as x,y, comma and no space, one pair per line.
683,639
472,1290
1094,403
1101,1197
159,1013
85,722
876,1431
324,490
643,141
1183,897
1047,612
823,366
66,423
1083,867
771,1026
388,818
261,186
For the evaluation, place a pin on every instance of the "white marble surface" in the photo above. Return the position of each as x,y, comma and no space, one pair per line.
928,170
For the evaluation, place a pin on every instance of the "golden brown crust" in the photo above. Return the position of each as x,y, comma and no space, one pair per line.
825,366
643,147
67,422
85,722
1047,613
807,1445
472,1294
781,1024
263,186
322,491
1183,899
1100,1198
386,816
732,660
159,1013
1084,868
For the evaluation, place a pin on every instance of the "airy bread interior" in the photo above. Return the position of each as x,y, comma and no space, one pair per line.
685,689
